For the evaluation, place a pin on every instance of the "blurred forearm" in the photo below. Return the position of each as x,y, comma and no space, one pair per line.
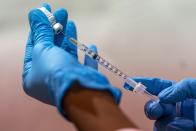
94,110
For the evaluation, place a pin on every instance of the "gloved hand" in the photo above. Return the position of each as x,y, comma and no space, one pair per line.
165,114
51,66
180,91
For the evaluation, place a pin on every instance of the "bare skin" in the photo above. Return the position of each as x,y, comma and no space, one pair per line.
92,110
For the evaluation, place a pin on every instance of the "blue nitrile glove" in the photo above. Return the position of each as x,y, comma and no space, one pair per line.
165,114
51,66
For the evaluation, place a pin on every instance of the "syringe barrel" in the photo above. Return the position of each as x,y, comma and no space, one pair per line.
132,84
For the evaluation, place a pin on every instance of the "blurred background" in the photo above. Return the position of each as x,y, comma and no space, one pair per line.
154,38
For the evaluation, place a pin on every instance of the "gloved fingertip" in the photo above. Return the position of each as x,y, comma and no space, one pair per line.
33,15
153,110
61,16
71,29
47,6
37,15
31,12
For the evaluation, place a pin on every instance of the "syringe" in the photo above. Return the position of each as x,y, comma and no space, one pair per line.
137,87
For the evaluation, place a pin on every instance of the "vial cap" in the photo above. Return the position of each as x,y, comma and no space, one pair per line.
58,28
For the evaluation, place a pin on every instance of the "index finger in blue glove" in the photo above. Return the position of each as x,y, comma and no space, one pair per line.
154,85
70,31
154,110
89,61
42,32
179,91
